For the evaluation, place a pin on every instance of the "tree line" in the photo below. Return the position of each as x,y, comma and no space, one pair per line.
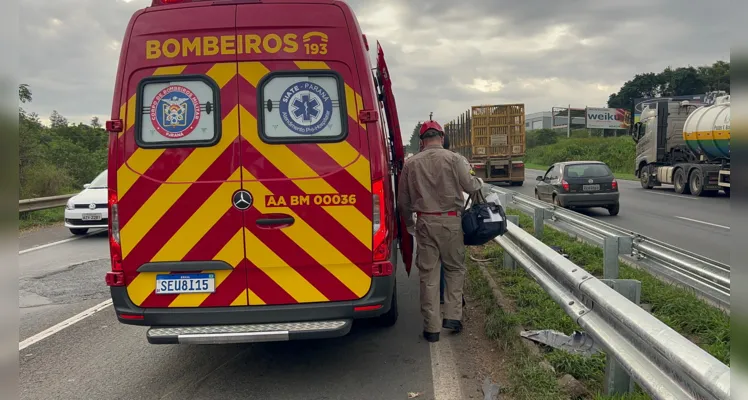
673,82
59,158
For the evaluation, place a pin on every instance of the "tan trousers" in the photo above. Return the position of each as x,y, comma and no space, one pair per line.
440,237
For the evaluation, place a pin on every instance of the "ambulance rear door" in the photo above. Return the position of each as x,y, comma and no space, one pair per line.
309,232
180,160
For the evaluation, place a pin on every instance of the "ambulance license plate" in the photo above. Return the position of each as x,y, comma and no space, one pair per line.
185,283
91,217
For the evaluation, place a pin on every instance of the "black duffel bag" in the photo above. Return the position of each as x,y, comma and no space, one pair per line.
482,221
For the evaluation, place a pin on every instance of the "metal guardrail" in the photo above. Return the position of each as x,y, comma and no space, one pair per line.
640,347
710,279
43,203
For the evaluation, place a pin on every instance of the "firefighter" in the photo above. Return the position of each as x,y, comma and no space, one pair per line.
431,185
442,282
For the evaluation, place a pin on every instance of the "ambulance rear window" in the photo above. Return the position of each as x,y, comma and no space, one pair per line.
178,111
302,106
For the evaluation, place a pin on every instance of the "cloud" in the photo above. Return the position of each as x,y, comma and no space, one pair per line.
444,56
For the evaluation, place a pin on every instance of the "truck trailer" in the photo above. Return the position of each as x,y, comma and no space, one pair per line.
492,139
684,144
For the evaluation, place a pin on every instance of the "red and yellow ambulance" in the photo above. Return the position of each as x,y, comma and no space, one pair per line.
253,163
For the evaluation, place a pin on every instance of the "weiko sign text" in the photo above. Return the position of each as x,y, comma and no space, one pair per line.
607,118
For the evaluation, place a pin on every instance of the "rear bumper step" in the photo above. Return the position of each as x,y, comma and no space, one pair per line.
254,333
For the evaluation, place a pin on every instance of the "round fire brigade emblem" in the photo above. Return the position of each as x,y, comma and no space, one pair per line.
306,108
175,112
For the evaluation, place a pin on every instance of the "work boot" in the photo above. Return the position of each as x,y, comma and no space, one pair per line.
452,324
431,337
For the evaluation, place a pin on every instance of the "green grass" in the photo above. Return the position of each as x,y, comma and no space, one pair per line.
528,380
533,308
41,218
678,308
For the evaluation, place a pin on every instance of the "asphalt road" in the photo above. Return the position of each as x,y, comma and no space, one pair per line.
99,358
697,224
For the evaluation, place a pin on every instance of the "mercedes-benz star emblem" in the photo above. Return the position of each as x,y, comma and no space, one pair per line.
242,200
92,206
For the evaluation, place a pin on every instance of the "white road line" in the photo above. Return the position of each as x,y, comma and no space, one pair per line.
444,371
64,324
674,195
44,246
703,222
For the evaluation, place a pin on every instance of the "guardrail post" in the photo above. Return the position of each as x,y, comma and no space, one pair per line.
617,380
610,257
508,260
539,220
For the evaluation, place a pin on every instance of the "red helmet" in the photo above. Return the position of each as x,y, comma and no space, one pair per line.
430,125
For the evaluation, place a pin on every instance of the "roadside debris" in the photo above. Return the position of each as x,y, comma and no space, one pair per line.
560,251
413,395
490,390
577,343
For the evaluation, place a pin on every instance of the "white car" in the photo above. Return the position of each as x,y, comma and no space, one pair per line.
88,209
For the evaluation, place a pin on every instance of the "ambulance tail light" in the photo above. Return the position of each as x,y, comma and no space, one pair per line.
379,228
117,276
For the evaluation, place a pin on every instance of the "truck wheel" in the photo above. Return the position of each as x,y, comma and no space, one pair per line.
680,182
517,183
696,183
390,318
645,177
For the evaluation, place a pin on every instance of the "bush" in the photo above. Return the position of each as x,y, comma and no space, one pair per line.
618,152
44,180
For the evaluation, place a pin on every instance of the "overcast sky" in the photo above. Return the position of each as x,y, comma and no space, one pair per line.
444,56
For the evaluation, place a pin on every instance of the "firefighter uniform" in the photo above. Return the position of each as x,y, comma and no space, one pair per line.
432,184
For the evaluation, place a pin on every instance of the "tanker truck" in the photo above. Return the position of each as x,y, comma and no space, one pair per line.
684,144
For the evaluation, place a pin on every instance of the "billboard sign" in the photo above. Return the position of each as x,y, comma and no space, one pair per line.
608,118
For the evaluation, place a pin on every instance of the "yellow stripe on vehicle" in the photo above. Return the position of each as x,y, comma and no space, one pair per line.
141,287
199,223
232,253
222,73
294,168
280,272
241,300
312,242
137,164
169,192
343,153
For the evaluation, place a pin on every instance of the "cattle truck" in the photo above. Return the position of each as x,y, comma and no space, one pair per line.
492,139
684,144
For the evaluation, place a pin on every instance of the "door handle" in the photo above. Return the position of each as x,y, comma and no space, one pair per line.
275,221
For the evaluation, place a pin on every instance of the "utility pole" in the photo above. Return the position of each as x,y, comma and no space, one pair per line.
568,122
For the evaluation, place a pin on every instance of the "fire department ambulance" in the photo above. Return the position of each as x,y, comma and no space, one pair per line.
253,163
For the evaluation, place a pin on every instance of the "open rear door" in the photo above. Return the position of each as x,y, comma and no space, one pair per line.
398,153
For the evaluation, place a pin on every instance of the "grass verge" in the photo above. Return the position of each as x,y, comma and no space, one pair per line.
41,218
532,308
528,379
